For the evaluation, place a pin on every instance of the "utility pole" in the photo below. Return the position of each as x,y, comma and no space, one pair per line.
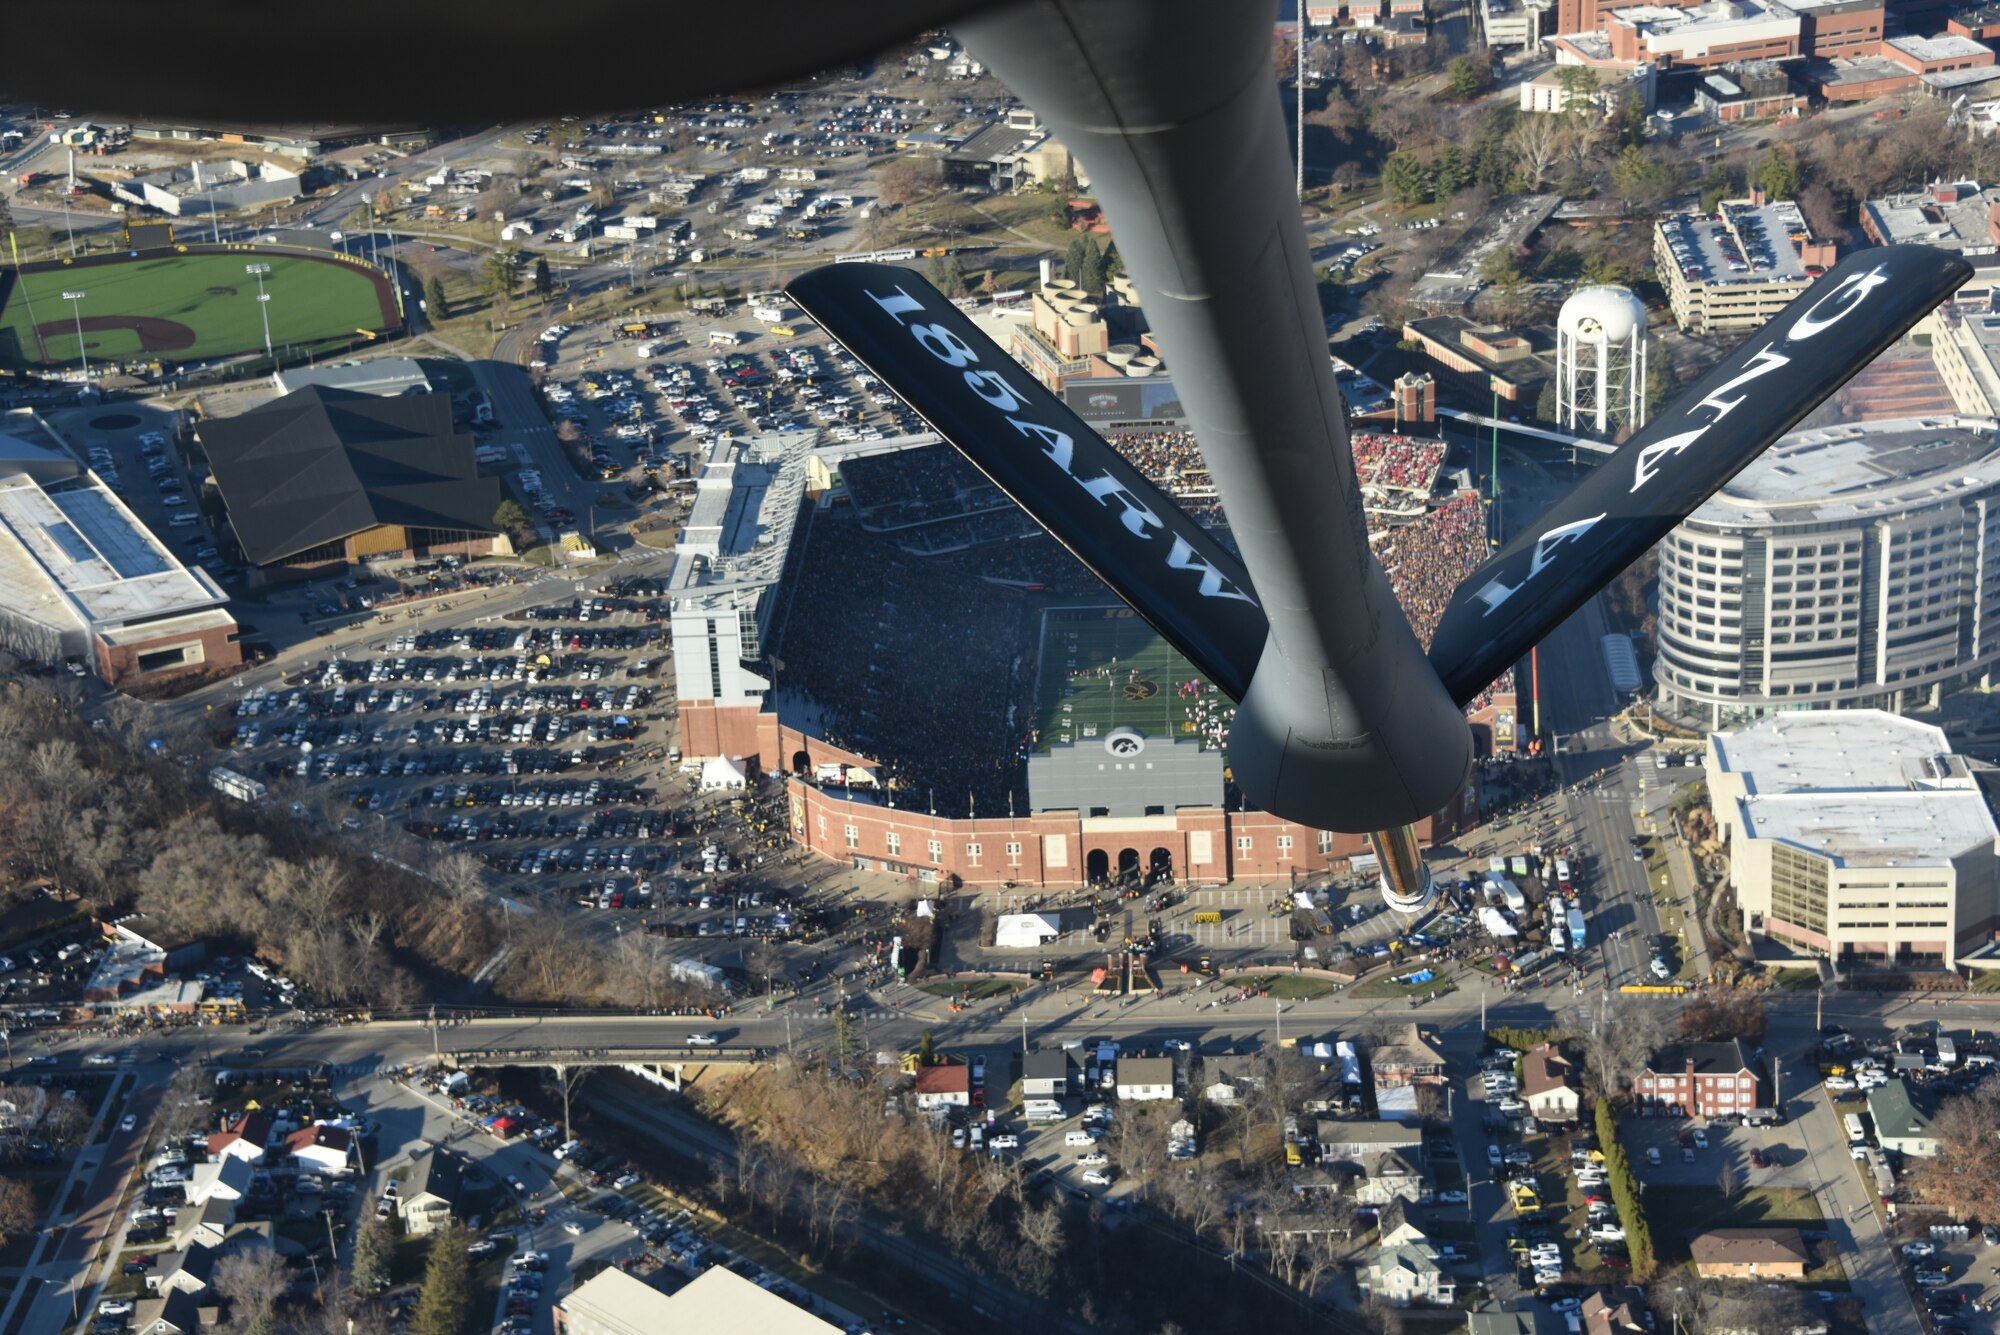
1278,1012
436,1060
1024,1029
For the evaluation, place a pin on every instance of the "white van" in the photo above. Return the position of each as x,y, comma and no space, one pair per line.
185,519
1079,1138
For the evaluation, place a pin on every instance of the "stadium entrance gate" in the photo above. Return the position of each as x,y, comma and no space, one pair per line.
1097,866
1162,866
1128,864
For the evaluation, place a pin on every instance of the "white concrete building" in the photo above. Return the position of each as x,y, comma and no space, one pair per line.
1856,834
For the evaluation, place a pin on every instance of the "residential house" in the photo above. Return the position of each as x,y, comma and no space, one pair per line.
205,1227
1548,1085
191,1271
1698,1080
1046,1073
1616,1311
1230,1079
1390,1175
242,1137
21,1106
228,1178
176,1314
320,1149
1395,1227
1407,1059
719,1300
432,1199
1344,1141
1404,1275
1750,1253
1145,1079
944,1086
1502,1321
1903,1119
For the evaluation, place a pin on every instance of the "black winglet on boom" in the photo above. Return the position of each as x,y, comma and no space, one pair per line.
1703,438
1130,533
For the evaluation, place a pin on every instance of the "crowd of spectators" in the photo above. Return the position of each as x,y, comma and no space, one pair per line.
932,484
906,660
1397,463
1428,559
1171,461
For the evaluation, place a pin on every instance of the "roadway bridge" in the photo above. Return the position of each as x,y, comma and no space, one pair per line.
681,1055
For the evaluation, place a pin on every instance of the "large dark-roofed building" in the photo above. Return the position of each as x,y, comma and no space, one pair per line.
325,478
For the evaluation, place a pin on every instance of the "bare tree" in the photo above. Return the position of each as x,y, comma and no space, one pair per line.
1537,143
253,1281
1623,1035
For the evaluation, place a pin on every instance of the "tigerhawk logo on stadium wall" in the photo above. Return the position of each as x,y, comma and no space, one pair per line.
990,387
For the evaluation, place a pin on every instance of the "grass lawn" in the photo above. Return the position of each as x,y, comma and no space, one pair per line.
1284,986
1386,986
1802,979
1678,1213
1986,980
978,989
209,296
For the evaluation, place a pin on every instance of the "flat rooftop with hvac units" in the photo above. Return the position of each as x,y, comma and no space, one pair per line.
83,581
1858,835
325,478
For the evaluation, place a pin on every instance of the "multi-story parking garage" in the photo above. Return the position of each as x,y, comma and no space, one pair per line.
1855,566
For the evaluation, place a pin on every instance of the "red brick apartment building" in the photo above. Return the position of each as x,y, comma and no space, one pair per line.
1697,1080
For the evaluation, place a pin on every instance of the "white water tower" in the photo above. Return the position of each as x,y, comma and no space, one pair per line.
1601,361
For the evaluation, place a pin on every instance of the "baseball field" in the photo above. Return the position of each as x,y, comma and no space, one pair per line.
186,307
1103,668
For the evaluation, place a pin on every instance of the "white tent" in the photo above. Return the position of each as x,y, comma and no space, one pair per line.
723,772
1495,923
1025,931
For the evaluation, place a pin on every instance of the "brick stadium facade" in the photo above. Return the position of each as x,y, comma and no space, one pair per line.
1044,849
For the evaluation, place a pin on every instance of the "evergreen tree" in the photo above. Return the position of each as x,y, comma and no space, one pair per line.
441,1303
1465,79
434,299
1093,267
372,1245
954,277
1778,173
1406,178
926,1049
1076,259
545,282
502,271
1451,173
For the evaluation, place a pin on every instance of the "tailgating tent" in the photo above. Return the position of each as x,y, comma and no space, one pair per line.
723,772
1024,931
1495,923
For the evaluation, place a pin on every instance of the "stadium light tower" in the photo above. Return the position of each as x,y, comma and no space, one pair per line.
263,307
83,358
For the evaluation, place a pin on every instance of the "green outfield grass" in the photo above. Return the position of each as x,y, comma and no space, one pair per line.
1103,668
185,308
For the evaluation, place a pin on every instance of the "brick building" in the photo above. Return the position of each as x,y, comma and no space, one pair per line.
1697,1080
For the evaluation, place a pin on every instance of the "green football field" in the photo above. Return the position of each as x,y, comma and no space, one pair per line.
186,308
1103,668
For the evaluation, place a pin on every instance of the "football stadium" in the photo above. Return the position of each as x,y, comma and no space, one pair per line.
952,695
194,305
